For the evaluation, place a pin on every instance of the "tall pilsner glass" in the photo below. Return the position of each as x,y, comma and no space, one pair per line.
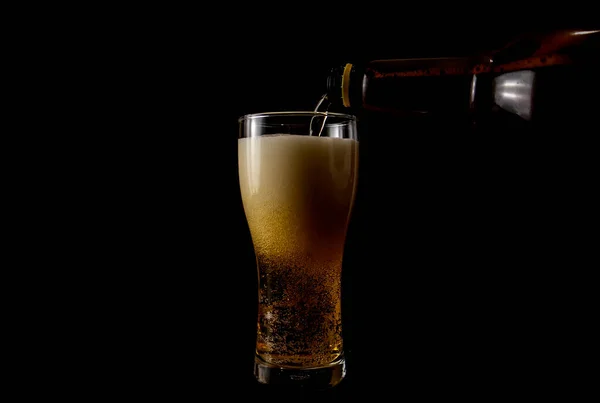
298,174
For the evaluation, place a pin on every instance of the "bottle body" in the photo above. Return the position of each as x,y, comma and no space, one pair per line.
538,79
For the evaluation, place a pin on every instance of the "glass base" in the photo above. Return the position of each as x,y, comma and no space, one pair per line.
305,378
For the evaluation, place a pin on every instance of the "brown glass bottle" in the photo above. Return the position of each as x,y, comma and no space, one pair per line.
538,79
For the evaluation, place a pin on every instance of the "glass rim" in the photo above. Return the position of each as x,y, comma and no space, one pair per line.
296,113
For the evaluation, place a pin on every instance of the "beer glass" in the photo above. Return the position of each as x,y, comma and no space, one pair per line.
298,179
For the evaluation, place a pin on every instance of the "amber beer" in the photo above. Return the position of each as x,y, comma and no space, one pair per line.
297,193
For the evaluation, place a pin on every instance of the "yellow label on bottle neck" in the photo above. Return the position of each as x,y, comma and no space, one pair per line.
346,85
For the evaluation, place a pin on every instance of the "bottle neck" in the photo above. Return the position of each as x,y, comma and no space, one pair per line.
344,86
405,86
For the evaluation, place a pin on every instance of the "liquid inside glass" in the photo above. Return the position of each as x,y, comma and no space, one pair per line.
298,192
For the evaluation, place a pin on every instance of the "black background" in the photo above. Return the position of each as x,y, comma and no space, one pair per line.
439,269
